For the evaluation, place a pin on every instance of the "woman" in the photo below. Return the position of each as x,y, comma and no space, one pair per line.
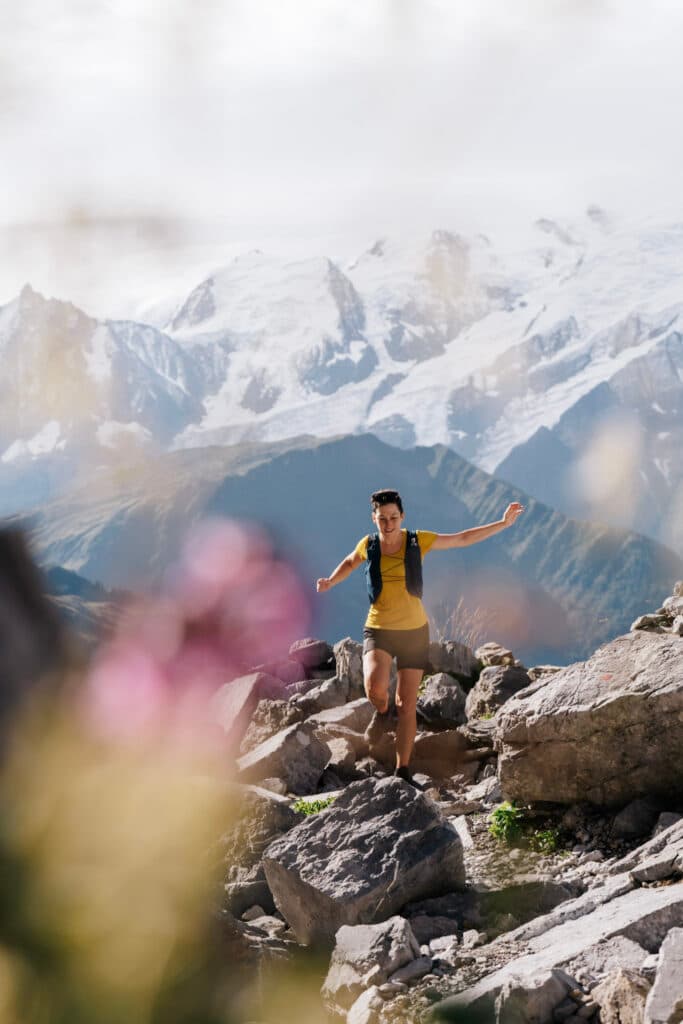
397,625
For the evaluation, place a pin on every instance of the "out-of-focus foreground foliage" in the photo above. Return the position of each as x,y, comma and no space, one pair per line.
115,787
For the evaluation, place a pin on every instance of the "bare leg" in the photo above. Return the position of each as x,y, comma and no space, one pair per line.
376,672
409,680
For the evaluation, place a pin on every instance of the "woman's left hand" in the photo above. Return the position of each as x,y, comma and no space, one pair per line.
512,513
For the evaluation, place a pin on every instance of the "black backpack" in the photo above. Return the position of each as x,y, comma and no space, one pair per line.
412,562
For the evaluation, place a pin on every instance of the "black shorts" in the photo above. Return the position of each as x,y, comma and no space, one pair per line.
410,647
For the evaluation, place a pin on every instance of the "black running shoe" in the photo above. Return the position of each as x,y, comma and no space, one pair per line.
405,773
380,724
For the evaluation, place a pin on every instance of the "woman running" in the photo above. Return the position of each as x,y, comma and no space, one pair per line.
396,626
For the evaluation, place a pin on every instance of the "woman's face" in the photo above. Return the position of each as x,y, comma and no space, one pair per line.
388,519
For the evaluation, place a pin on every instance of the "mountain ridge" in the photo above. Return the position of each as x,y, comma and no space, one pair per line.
552,587
452,340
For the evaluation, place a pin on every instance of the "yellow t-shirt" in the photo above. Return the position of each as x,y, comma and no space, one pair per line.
395,608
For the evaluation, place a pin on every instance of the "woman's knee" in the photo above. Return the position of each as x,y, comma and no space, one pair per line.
376,686
406,707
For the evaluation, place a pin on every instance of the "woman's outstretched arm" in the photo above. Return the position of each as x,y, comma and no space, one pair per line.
343,570
477,533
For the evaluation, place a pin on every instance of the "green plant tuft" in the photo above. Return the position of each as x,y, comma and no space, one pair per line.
312,806
506,822
545,840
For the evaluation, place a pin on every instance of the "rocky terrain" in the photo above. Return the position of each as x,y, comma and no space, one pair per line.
534,873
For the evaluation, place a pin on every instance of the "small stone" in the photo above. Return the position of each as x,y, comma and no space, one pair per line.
494,654
413,971
443,943
269,924
392,988
253,912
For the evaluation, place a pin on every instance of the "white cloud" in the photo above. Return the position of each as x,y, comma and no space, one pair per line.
304,116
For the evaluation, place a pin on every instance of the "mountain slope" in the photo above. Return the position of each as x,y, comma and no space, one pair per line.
470,342
617,453
551,586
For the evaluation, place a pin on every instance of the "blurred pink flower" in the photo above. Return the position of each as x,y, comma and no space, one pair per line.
227,604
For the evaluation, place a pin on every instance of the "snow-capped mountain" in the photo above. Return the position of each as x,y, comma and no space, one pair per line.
521,357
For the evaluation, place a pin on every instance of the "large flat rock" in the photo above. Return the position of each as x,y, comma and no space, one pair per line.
605,730
642,915
380,845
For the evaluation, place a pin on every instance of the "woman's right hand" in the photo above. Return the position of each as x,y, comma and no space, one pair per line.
323,584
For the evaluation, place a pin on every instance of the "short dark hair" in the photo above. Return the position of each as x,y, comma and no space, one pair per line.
386,497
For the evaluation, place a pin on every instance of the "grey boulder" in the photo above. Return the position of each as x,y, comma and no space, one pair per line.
331,693
636,819
442,702
454,658
364,955
310,653
380,845
532,1002
600,730
269,717
366,1007
621,997
263,816
494,687
665,1002
234,703
349,660
355,715
295,755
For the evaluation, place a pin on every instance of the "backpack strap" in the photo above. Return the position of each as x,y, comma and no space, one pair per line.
373,572
413,564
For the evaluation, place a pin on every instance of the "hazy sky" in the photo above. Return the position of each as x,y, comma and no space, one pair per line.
306,118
